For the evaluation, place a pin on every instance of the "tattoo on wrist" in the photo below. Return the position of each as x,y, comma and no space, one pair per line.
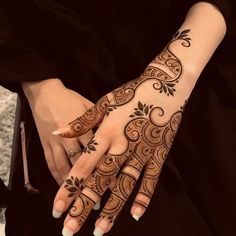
166,76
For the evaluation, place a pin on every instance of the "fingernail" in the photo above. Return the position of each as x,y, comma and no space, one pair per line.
70,227
58,131
101,228
97,206
137,213
58,209
98,232
67,232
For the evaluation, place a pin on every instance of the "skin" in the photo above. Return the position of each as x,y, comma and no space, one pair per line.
138,123
50,111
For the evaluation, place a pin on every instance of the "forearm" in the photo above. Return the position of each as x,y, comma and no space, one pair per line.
207,29
35,89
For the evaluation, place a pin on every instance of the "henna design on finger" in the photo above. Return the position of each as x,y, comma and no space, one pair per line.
105,172
118,198
165,69
148,145
73,185
91,146
83,207
89,119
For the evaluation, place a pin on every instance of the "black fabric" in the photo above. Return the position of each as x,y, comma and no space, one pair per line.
5,193
94,47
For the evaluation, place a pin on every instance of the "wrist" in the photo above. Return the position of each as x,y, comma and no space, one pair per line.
36,89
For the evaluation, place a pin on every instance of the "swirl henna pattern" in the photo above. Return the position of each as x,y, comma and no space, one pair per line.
167,74
165,70
148,145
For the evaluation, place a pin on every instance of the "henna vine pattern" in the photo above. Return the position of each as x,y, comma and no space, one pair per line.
73,185
166,78
165,70
91,146
148,145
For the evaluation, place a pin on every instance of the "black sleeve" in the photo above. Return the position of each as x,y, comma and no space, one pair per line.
21,58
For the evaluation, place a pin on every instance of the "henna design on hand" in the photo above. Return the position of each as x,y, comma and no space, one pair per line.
165,70
148,145
165,79
88,120
73,185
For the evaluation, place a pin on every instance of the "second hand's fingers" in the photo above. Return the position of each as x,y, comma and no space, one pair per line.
90,119
61,160
78,174
52,165
73,150
146,190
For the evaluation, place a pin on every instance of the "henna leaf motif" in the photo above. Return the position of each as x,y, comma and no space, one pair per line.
73,185
141,110
90,146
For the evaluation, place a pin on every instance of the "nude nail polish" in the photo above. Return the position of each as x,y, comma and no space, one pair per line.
97,206
137,213
67,232
58,131
70,228
101,228
98,232
58,209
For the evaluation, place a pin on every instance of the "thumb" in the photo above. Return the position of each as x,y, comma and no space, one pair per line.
90,119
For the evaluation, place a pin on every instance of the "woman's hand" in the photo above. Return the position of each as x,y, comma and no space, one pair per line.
139,121
53,105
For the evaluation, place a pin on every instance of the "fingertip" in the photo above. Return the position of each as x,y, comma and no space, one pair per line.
102,226
137,211
58,208
97,206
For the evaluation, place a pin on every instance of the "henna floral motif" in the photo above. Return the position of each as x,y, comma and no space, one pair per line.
91,146
73,185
